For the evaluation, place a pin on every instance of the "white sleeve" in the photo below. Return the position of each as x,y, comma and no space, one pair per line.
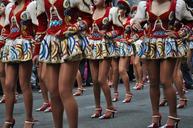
40,6
182,11
70,3
7,13
32,12
114,16
141,10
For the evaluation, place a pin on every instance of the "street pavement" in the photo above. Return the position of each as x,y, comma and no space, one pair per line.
136,114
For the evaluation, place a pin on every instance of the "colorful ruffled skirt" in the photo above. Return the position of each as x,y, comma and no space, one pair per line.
136,46
162,48
18,50
55,50
100,49
125,50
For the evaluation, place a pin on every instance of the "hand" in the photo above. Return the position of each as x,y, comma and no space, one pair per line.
171,34
136,27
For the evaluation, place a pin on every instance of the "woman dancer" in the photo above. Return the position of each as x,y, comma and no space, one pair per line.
160,50
100,61
41,67
17,55
63,47
3,4
123,42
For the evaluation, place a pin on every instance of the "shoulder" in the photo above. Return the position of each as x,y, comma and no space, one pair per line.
114,10
142,5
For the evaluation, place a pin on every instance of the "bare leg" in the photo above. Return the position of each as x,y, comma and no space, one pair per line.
94,68
138,69
102,79
2,79
67,77
41,74
166,71
154,77
10,82
123,66
52,76
115,69
25,70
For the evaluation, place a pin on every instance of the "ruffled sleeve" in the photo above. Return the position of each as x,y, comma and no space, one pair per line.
40,6
141,11
182,11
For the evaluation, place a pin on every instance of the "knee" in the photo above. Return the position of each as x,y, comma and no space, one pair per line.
95,81
101,82
154,84
2,74
115,69
166,82
122,71
136,63
9,88
65,91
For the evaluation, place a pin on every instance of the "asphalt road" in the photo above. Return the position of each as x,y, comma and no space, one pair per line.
136,114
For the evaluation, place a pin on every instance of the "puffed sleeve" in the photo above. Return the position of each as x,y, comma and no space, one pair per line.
7,13
117,26
31,13
40,6
141,10
182,11
6,23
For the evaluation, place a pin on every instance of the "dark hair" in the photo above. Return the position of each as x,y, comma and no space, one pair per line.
189,6
108,2
87,5
122,6
189,3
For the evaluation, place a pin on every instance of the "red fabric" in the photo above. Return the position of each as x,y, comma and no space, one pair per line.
100,24
26,29
2,44
36,49
43,23
163,17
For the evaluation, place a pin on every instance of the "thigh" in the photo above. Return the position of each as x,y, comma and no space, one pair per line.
104,67
94,69
124,63
67,75
51,77
11,75
2,69
153,69
166,70
25,71
115,63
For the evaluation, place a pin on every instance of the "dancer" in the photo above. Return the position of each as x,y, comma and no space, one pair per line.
100,60
121,20
41,67
17,55
160,50
3,4
64,45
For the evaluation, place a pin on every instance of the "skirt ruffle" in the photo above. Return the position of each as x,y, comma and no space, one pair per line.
125,50
54,50
100,49
159,48
136,46
18,50
191,44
